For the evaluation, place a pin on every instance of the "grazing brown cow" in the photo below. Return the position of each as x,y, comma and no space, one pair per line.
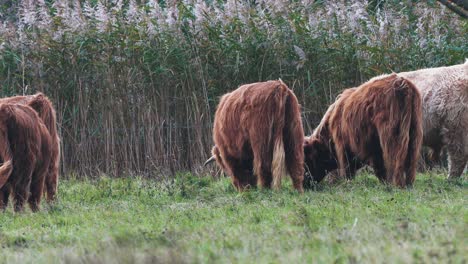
258,131
25,149
379,123
42,105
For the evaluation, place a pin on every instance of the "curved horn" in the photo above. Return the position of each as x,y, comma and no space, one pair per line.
209,160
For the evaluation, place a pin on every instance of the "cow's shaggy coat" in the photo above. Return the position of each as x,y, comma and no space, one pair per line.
444,92
258,135
43,106
379,123
25,150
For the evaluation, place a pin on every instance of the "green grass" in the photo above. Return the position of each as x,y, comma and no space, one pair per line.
204,220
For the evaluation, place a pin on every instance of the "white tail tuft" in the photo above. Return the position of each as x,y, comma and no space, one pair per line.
278,164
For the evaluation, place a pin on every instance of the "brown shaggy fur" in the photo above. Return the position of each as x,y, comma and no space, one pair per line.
258,131
25,149
43,106
378,123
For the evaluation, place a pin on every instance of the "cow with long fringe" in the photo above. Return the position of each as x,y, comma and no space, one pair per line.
444,92
25,150
258,136
43,106
378,123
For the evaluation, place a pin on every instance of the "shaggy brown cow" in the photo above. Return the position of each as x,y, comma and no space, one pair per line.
43,106
258,130
25,149
379,123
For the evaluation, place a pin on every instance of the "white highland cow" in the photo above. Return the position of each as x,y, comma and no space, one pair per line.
444,92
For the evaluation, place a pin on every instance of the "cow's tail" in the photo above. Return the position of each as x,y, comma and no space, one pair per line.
45,109
415,135
278,163
293,138
288,154
405,134
5,152
46,112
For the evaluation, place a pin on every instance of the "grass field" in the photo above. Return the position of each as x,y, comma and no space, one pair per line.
200,220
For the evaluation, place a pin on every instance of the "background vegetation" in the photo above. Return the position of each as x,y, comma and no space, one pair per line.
200,220
135,82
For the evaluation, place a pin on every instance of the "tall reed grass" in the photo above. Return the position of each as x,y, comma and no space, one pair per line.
135,83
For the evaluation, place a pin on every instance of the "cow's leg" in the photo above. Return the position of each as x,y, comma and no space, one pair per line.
394,153
295,169
20,193
263,171
341,158
411,165
457,163
4,195
262,162
51,183
412,157
37,188
399,175
379,167
376,160
22,185
293,142
457,149
434,156
354,166
387,159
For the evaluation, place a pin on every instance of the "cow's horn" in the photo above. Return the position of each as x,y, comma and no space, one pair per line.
209,160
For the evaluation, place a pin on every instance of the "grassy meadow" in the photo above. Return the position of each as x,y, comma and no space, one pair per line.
192,219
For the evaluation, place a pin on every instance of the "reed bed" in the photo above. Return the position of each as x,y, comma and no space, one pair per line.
136,83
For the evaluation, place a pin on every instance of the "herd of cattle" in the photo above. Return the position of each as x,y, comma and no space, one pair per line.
259,136
383,123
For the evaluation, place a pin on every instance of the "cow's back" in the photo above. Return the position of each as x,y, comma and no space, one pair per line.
240,111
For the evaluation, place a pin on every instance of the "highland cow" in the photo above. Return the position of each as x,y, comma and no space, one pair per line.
258,136
25,149
444,92
42,105
378,124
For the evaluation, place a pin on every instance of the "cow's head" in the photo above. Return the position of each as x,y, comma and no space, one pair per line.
216,156
319,160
